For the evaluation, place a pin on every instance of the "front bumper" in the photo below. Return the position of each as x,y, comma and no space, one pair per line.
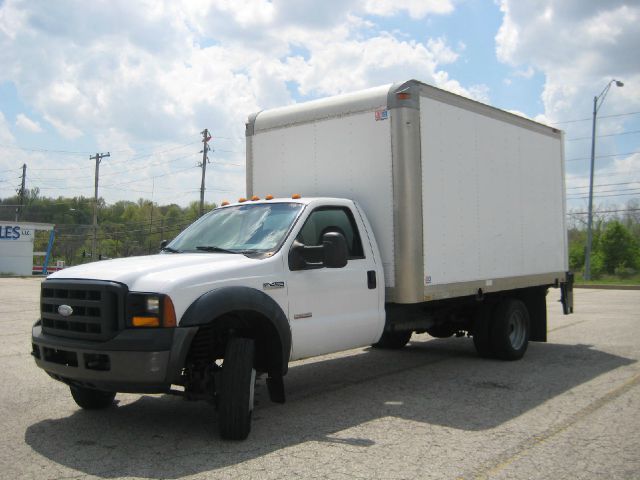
134,361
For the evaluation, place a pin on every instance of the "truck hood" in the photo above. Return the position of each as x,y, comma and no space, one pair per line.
148,273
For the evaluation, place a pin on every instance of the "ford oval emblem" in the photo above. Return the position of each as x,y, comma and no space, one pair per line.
65,310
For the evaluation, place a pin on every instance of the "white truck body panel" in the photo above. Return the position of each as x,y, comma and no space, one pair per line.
493,204
329,158
461,196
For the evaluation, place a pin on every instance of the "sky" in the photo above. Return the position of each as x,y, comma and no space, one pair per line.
142,79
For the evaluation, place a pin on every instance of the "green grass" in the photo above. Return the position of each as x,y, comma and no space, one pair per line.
608,280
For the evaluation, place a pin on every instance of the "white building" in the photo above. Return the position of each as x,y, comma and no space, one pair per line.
16,246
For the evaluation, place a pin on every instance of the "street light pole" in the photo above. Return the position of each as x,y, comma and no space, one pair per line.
597,103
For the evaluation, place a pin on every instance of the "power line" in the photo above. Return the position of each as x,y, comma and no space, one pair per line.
591,118
572,195
607,174
147,179
602,156
44,150
606,211
603,196
159,162
603,185
602,136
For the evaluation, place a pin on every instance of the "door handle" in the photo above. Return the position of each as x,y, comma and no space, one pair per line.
371,279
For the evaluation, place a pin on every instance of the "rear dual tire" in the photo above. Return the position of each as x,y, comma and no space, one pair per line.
504,332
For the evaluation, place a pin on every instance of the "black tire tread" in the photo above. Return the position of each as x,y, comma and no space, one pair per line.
234,418
90,399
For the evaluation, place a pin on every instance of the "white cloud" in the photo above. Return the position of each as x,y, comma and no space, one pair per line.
415,8
526,73
119,74
5,133
578,45
345,65
26,123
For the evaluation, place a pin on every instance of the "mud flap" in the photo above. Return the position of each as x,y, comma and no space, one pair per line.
566,289
275,385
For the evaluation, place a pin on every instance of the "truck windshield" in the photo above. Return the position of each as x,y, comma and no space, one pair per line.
250,228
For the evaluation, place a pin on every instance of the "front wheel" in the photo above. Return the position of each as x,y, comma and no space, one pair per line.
236,390
90,399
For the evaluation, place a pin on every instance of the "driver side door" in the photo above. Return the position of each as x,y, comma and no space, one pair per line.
334,309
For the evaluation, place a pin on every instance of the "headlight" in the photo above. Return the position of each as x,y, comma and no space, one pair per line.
146,310
153,304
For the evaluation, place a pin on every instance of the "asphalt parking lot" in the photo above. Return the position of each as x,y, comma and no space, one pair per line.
570,409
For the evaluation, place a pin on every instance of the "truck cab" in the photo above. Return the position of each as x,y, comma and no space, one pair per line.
244,290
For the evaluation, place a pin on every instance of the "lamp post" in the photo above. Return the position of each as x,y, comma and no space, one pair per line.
597,103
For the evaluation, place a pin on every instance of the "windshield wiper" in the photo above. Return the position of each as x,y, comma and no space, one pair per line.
213,248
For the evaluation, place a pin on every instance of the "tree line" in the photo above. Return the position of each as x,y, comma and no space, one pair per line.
615,246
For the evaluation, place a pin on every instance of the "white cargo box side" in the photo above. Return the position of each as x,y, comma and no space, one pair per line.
492,199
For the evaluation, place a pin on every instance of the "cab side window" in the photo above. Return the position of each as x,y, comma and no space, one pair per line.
332,219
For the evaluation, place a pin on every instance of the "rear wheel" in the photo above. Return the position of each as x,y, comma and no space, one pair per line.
236,390
90,399
393,340
510,330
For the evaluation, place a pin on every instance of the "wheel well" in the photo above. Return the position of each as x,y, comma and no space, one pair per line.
209,343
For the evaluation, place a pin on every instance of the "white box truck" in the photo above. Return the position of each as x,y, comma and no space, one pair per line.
369,216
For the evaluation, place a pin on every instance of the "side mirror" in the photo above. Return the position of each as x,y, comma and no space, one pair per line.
333,253
334,247
163,244
302,257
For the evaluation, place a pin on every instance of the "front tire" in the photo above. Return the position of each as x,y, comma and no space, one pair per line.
236,390
90,399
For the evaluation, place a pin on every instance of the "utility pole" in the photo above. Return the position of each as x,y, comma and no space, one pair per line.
205,140
597,103
21,192
98,157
